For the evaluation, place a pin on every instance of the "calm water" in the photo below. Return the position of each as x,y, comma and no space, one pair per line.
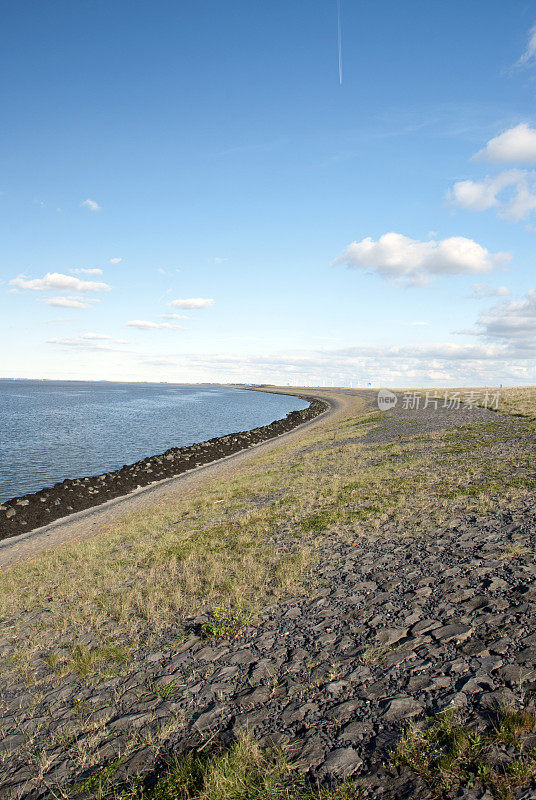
52,430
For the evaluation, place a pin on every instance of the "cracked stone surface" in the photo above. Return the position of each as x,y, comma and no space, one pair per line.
395,628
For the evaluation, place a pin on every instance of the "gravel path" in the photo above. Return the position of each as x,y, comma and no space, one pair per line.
395,628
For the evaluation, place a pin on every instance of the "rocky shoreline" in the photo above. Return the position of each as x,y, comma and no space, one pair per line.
23,514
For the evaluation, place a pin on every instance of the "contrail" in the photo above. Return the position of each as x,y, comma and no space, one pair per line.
340,39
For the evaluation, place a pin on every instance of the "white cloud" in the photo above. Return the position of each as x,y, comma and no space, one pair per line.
83,344
442,350
90,271
115,260
103,337
192,302
162,362
474,195
480,195
523,202
444,363
481,290
152,326
512,192
529,55
517,145
56,281
174,316
91,204
513,323
410,261
66,302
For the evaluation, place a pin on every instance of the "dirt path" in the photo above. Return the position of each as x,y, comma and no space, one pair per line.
82,525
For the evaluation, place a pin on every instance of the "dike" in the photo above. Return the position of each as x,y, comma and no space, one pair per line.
23,514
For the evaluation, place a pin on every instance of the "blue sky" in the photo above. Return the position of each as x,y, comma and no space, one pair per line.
202,160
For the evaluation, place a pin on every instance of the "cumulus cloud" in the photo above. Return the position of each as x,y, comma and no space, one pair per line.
481,290
517,145
67,302
115,260
192,302
90,271
56,281
411,262
144,325
91,204
512,192
174,316
480,195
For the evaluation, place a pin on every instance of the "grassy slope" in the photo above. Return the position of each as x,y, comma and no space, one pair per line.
246,541
516,400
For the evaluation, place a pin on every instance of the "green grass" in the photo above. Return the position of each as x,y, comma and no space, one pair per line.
225,622
168,690
96,785
245,772
449,755
84,660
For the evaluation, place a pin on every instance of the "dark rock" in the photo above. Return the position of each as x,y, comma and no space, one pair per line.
401,708
344,711
391,635
208,718
129,721
253,698
455,632
341,763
